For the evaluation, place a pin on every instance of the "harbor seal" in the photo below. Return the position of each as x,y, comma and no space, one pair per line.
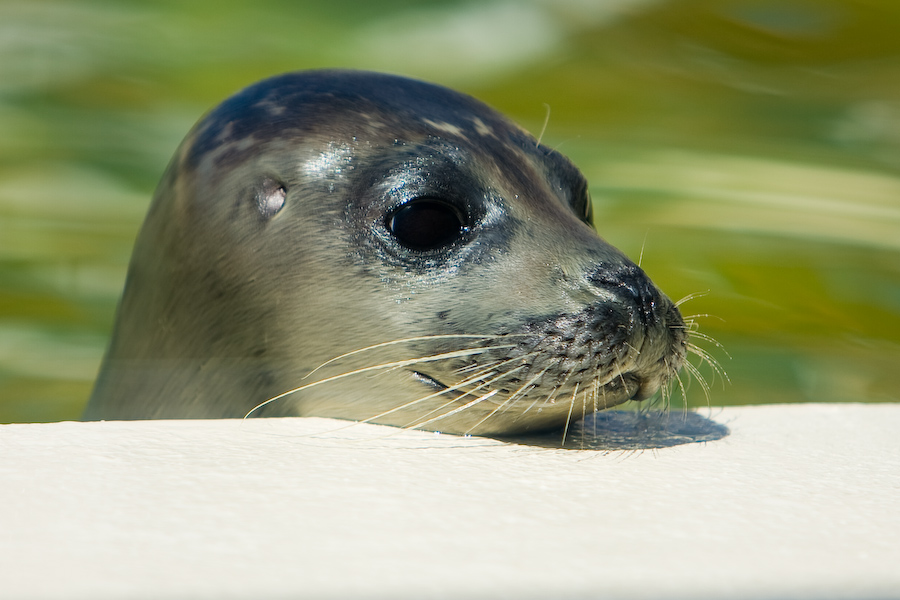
369,247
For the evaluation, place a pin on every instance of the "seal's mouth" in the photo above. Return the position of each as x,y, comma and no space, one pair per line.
643,388
552,371
627,386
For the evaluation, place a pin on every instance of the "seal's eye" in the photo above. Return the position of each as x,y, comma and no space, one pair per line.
426,224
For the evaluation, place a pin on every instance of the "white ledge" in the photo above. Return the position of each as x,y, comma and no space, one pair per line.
797,501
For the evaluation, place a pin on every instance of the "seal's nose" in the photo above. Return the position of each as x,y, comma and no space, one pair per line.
632,287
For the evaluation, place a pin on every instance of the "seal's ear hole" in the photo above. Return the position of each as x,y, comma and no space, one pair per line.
270,195
426,224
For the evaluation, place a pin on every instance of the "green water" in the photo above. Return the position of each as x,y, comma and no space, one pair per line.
746,149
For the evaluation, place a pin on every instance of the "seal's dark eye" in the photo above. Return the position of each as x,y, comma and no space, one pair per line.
426,224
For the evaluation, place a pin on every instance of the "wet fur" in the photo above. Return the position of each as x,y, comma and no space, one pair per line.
265,255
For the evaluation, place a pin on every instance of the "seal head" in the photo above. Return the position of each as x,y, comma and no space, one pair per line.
369,247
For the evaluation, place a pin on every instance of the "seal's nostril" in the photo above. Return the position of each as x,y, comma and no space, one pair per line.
631,285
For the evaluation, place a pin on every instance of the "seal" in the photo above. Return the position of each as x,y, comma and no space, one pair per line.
369,247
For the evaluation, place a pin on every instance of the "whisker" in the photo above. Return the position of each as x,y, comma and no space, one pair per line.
522,391
569,416
487,372
714,364
690,297
499,363
508,402
457,410
402,341
691,320
474,366
413,424
475,378
695,372
643,244
544,128
708,338
491,382
390,365
584,398
595,394
665,392
425,398
551,398
620,375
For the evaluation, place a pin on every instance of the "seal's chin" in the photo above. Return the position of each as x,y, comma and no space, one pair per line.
645,387
630,386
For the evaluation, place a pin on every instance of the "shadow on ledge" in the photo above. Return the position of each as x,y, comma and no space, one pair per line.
610,430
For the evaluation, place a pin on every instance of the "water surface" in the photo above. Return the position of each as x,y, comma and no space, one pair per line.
747,150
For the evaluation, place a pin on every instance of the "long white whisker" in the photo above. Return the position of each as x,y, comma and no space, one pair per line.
390,365
643,244
690,297
491,382
414,423
453,388
503,407
708,338
550,399
544,128
696,375
711,361
477,366
457,410
401,341
523,389
487,372
569,416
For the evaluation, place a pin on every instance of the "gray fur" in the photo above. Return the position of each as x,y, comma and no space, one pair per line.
265,254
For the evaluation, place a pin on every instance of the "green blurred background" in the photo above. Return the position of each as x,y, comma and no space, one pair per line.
746,149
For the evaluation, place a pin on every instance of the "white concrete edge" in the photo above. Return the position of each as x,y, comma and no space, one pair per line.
797,501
